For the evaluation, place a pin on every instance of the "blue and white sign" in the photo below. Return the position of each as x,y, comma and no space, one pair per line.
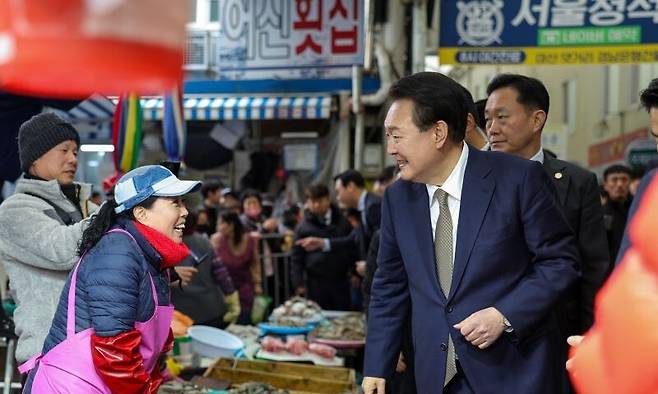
548,31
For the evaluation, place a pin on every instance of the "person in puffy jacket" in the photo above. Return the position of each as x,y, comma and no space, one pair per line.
112,323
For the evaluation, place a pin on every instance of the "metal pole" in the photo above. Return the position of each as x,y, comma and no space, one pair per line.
419,35
343,155
357,77
202,11
9,365
368,23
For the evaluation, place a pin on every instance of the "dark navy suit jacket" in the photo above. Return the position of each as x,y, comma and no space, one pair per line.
514,251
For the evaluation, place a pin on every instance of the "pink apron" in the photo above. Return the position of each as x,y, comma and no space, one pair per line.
69,367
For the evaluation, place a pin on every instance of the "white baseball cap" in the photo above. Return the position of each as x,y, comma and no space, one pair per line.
146,181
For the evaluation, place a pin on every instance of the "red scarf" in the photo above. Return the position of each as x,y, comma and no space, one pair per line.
171,252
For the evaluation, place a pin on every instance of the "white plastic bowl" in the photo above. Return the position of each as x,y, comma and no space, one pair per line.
213,342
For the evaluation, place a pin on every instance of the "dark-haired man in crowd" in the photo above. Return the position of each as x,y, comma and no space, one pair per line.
211,193
617,182
323,276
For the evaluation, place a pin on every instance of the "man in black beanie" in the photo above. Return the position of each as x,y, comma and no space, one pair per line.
42,223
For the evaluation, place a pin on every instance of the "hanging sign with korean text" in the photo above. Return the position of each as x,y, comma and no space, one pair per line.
289,39
545,32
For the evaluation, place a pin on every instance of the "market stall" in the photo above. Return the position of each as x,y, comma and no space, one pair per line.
299,349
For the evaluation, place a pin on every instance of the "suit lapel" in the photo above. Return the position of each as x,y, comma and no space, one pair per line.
560,178
422,233
477,190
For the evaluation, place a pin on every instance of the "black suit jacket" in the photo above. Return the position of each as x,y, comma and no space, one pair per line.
332,266
578,196
362,235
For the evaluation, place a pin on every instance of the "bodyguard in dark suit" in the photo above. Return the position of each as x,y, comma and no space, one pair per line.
516,111
474,243
351,193
578,195
322,276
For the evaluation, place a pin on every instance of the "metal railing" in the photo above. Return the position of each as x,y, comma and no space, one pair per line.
275,249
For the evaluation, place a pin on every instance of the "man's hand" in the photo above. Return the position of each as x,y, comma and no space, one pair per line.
186,274
311,244
402,366
573,341
270,224
483,327
361,267
373,385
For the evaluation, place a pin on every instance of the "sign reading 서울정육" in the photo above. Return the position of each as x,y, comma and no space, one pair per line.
289,39
548,31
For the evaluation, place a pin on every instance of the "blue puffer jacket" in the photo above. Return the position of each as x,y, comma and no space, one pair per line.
113,290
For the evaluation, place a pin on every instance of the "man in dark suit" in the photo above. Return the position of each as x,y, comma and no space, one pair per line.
322,276
473,242
515,113
351,193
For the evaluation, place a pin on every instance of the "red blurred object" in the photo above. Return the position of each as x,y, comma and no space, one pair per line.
323,351
296,346
272,344
72,48
110,181
618,355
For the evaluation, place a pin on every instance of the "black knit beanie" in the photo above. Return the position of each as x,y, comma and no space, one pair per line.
40,134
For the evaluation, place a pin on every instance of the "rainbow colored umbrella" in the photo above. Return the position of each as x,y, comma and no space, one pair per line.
173,125
127,132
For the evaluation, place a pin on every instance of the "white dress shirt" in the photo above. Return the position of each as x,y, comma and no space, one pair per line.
361,207
539,156
453,186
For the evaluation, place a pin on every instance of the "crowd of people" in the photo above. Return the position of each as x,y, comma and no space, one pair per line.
475,257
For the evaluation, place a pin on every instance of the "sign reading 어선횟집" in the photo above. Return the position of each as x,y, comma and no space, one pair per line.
289,39
544,32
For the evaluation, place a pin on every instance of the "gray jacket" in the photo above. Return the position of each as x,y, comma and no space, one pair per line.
38,250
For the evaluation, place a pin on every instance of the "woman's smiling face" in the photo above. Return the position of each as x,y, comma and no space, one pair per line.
167,215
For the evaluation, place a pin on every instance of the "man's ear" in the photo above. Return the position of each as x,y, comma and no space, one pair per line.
439,133
539,120
470,121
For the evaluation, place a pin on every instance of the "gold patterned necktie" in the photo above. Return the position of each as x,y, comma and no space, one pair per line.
444,266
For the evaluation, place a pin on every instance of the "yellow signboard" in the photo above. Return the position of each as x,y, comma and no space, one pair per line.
626,54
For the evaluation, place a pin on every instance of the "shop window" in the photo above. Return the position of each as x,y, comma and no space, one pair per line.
214,10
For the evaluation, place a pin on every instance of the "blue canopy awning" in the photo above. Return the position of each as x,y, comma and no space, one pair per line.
98,109
198,107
